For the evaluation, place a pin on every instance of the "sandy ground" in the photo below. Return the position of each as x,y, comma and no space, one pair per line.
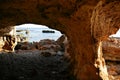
32,65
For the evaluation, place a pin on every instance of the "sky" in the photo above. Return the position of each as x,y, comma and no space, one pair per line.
31,26
117,34
36,32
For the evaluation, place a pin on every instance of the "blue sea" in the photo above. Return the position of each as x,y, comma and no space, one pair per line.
35,34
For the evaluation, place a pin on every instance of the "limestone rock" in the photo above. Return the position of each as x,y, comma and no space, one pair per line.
41,45
64,44
8,40
8,43
62,41
111,49
85,22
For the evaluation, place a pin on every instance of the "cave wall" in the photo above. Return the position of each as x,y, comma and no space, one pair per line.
106,19
104,22
85,23
8,40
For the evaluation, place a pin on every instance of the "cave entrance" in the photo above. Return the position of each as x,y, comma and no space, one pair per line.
39,37
111,53
35,57
33,32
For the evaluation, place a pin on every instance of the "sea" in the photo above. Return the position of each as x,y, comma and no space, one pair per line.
35,33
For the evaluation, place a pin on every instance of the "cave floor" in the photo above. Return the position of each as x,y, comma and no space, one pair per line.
31,65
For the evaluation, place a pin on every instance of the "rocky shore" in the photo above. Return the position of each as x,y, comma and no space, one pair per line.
111,53
47,60
43,60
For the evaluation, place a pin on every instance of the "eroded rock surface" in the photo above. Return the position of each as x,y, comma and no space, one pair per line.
85,22
111,53
111,49
8,41
45,45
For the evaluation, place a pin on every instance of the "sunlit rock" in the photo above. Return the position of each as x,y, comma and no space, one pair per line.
8,41
86,23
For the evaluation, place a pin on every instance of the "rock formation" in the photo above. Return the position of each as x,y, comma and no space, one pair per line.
111,53
111,49
64,44
8,40
22,35
86,23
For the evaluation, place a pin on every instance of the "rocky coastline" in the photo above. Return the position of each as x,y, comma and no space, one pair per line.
43,60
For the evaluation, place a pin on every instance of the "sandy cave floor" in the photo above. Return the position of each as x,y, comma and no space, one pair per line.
32,65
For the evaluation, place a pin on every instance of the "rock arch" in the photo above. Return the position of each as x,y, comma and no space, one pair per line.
72,17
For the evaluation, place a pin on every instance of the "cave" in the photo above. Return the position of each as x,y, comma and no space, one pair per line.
85,23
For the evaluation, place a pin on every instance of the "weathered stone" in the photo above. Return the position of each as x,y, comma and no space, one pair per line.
8,41
64,44
62,41
1,43
41,45
104,22
111,49
84,23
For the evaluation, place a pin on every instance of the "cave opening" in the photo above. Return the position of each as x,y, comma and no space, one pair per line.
34,32
111,54
34,58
